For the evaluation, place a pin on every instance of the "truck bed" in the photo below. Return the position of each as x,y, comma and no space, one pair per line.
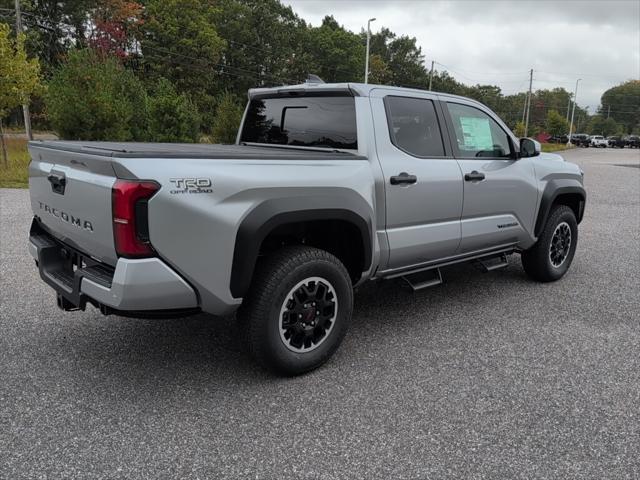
193,150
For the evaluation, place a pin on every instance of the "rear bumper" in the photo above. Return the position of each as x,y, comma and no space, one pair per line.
134,286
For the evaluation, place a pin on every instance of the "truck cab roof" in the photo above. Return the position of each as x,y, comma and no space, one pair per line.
356,89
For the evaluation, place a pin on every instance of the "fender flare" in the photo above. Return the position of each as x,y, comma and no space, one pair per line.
270,214
553,189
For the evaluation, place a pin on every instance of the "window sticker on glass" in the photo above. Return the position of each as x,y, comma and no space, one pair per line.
477,133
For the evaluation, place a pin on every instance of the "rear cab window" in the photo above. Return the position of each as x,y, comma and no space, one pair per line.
327,121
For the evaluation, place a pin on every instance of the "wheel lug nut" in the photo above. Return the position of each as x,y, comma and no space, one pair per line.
299,315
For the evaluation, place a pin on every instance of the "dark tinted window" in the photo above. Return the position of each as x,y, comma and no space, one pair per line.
477,134
413,126
319,121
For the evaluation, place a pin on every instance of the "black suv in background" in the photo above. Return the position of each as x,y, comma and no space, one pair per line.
580,140
633,141
558,139
616,141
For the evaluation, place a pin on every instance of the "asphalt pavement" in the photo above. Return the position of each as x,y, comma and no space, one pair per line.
487,376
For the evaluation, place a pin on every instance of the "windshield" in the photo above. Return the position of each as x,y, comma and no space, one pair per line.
307,121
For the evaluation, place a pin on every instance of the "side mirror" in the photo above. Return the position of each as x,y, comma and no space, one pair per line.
529,148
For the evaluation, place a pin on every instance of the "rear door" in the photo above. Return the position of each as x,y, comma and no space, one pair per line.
500,192
423,182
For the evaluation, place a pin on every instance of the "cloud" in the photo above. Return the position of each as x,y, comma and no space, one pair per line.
497,42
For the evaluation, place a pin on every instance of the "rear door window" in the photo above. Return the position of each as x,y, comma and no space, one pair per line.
306,121
413,126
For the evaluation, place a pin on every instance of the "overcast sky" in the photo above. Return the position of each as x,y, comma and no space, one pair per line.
497,42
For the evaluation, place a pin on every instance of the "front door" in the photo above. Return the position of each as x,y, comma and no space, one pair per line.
500,192
423,182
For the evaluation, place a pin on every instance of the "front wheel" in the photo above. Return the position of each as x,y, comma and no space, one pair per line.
298,309
549,259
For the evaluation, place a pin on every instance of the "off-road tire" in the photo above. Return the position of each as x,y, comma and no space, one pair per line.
537,260
260,314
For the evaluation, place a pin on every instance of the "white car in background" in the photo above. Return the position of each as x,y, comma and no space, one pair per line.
598,141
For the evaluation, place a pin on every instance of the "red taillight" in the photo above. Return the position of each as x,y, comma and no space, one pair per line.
128,207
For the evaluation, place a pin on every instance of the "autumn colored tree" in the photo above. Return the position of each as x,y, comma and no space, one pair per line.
116,23
379,71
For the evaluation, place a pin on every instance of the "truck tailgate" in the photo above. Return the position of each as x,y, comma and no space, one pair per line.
71,195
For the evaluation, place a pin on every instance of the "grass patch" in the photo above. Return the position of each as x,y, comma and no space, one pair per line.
16,173
555,147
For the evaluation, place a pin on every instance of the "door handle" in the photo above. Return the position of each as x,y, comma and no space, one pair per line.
58,181
474,176
403,179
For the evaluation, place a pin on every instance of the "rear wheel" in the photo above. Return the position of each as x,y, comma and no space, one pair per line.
550,258
298,309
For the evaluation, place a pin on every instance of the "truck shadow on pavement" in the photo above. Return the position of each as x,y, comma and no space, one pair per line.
202,351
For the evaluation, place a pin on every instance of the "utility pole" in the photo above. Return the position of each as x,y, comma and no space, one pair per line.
573,111
608,112
431,74
366,61
568,107
526,125
25,107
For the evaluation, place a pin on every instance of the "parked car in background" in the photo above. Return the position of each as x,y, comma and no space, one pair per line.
558,139
616,141
598,141
580,139
632,141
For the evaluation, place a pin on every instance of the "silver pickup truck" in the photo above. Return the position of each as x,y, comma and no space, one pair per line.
327,186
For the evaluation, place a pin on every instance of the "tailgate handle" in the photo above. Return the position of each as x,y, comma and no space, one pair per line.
58,182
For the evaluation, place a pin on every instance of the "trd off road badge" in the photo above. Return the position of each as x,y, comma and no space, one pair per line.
191,185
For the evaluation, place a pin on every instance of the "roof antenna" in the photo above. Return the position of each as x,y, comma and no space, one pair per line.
311,78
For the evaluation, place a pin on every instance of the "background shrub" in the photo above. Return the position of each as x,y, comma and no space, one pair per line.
172,116
227,120
91,97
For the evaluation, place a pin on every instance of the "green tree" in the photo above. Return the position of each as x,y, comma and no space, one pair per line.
622,103
264,45
91,97
519,129
598,125
556,124
490,95
172,116
402,55
180,42
337,54
227,120
19,77
445,83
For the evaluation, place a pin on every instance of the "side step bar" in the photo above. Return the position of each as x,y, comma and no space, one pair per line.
430,277
424,279
488,264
